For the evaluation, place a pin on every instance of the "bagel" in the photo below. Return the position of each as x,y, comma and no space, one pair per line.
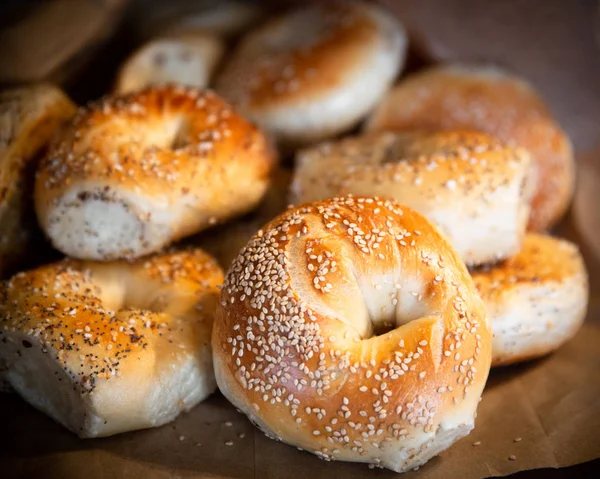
225,241
351,329
536,300
316,71
473,187
225,18
105,348
29,117
187,60
490,100
136,172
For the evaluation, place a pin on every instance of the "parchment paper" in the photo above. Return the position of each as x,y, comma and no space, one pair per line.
550,406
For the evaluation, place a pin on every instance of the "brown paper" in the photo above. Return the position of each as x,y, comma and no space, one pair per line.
552,405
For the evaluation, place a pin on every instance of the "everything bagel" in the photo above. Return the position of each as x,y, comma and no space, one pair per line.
350,328
136,172
105,348
474,188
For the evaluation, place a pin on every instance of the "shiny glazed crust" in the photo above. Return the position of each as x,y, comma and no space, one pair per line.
136,172
295,344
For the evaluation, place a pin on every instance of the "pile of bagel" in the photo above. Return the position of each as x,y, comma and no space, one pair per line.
343,253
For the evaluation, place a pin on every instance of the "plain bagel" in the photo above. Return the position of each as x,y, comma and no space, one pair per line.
105,348
488,99
186,60
350,328
136,172
315,71
474,188
536,300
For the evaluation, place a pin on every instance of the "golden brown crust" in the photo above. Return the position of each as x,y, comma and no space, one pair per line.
112,140
490,100
29,116
541,259
295,345
536,300
167,152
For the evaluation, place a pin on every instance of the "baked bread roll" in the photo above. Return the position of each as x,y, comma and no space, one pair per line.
187,60
350,328
536,300
136,172
316,71
105,348
225,241
473,187
28,118
490,100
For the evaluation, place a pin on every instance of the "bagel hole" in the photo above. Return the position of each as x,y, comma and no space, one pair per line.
411,304
173,135
181,137
383,327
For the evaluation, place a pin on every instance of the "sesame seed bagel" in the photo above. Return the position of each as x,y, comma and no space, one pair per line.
105,348
473,187
536,300
350,328
490,100
136,172
186,59
315,71
29,116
